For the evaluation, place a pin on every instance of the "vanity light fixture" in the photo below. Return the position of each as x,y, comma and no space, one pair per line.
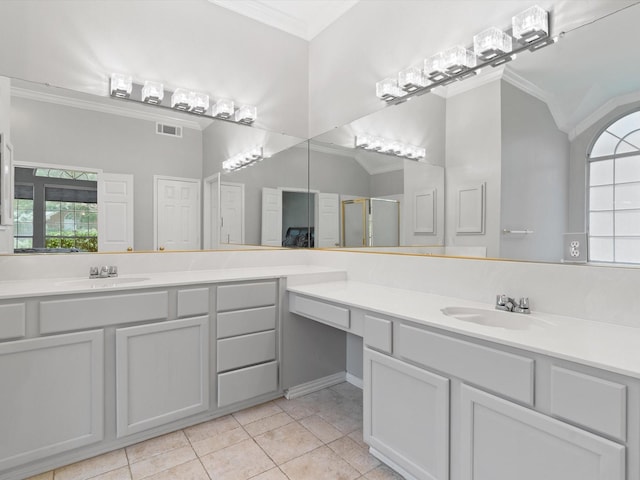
121,85
388,89
181,99
412,78
492,47
199,103
222,109
246,114
389,147
243,160
152,92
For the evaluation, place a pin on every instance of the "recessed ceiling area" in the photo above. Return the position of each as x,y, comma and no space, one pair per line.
304,19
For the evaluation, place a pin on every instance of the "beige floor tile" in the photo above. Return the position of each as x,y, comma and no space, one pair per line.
220,441
321,429
192,470
92,467
321,463
288,442
356,436
349,391
156,446
159,463
258,412
273,474
119,474
383,473
211,428
42,476
269,423
357,456
345,422
238,462
298,407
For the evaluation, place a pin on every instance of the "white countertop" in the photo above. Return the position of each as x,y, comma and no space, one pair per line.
65,286
602,345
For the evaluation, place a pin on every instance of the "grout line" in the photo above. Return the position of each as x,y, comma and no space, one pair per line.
197,456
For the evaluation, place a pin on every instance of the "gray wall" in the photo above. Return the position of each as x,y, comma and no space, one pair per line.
390,183
535,178
46,133
337,174
473,151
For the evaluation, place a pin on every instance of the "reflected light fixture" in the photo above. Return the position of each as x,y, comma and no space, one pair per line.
152,92
181,99
243,160
246,114
199,103
121,85
531,25
389,147
222,108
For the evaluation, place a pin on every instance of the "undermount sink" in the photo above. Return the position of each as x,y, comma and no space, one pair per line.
101,282
495,318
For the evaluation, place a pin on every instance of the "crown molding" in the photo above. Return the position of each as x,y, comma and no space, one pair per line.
599,113
468,84
331,150
380,167
97,106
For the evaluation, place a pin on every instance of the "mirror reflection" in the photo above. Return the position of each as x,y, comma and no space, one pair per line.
513,146
150,179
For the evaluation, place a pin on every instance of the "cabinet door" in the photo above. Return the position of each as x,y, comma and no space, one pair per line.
52,396
504,441
162,373
406,416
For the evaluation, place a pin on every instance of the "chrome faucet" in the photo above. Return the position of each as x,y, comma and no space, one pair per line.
508,304
105,271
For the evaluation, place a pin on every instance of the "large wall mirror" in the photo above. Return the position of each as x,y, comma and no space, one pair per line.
102,174
506,171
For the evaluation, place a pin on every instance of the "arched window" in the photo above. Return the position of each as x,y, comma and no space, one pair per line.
614,193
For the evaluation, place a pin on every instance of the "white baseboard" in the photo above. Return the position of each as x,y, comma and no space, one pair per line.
390,463
355,381
315,385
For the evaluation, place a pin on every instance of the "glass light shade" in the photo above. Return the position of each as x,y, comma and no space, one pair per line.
376,144
458,59
434,67
199,103
412,78
181,99
121,85
364,141
246,114
388,89
531,25
491,43
243,160
152,92
222,108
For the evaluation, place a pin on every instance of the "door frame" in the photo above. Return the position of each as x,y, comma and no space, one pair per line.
155,204
233,184
207,213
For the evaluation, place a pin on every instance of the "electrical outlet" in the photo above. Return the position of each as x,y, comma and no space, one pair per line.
575,247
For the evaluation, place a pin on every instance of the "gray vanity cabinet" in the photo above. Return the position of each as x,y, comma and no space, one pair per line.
504,441
406,416
162,373
51,397
247,341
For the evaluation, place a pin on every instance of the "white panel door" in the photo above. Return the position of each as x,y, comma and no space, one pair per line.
504,441
327,232
271,217
177,213
115,212
232,213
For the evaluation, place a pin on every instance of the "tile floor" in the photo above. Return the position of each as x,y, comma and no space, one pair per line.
315,437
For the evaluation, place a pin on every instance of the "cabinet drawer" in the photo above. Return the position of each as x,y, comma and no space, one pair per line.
193,302
246,295
94,312
12,321
241,322
247,383
501,372
246,350
377,333
333,315
589,401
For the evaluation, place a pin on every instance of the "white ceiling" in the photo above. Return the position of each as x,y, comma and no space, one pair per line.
303,18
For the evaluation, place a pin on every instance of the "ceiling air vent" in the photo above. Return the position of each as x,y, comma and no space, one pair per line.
171,130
